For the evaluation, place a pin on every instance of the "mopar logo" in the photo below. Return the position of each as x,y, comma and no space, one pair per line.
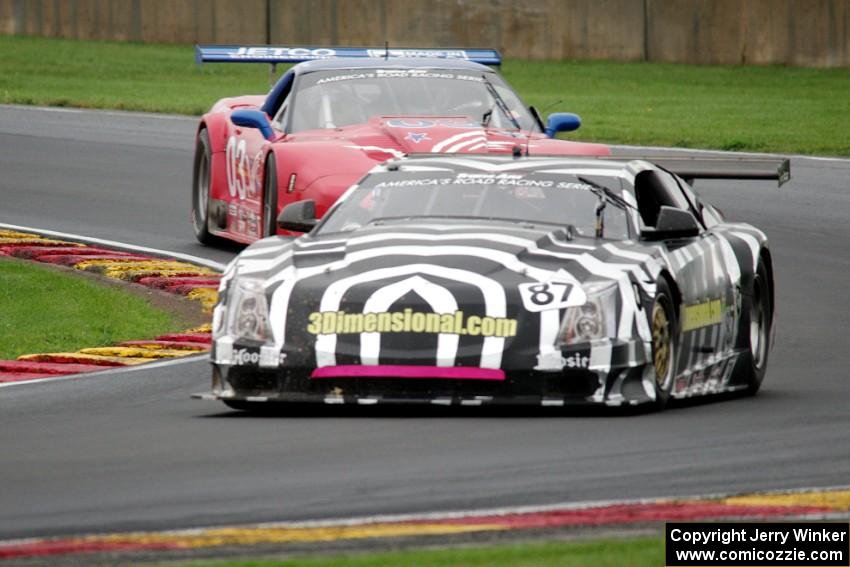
416,137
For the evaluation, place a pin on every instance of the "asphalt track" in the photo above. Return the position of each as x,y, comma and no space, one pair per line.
130,450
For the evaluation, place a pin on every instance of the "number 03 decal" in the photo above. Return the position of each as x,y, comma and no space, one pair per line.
554,294
238,174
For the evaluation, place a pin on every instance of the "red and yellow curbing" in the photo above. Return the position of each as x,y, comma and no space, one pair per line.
812,504
182,278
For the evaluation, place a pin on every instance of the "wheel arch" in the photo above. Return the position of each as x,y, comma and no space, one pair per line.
674,290
766,259
302,161
216,125
285,165
269,158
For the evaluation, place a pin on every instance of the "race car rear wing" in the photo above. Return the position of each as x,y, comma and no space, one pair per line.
690,168
274,54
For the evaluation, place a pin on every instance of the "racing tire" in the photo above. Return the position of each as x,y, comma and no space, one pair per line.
270,198
665,343
201,183
756,328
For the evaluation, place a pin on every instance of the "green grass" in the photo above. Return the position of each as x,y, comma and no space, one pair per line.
647,552
44,310
771,109
127,76
778,109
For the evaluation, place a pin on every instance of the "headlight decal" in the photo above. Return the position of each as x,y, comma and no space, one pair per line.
248,311
594,319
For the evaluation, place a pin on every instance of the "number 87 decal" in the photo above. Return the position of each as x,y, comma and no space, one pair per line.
554,294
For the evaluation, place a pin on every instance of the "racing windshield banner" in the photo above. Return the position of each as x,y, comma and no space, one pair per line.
503,179
513,195
298,54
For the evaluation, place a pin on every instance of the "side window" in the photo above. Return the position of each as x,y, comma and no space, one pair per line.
278,98
707,215
654,189
278,120
690,194
671,186
710,216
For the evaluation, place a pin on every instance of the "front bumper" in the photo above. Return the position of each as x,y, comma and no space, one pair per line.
615,373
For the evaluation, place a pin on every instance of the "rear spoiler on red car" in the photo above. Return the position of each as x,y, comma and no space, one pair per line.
274,54
690,168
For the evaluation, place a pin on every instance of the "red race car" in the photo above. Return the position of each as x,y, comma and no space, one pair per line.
339,112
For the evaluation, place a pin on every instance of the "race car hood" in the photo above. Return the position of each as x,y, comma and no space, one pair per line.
394,136
515,243
478,278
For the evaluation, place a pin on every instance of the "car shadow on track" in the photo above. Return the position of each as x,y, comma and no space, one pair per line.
282,410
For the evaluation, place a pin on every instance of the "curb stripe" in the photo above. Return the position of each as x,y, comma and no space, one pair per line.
197,283
231,537
118,245
808,504
106,371
836,500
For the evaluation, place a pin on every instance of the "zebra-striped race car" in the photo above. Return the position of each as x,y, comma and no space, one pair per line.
481,280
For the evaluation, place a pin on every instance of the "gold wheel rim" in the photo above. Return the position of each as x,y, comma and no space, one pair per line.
660,343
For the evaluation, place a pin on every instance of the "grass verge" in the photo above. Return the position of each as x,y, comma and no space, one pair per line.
602,553
774,109
45,310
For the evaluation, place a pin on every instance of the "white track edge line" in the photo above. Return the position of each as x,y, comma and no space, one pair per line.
459,514
103,112
181,117
110,370
528,509
118,245
726,153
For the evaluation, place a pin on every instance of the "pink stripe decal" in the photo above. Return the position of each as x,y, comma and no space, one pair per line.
399,371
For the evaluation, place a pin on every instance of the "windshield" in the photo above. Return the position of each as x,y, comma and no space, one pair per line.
526,197
333,99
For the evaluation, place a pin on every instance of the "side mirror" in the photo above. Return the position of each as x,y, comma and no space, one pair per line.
249,118
299,216
562,122
673,223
